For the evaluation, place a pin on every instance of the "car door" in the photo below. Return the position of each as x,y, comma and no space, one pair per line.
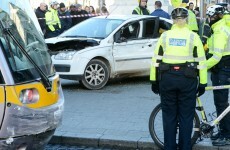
133,47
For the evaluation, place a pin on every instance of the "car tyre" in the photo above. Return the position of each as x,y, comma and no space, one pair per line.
96,75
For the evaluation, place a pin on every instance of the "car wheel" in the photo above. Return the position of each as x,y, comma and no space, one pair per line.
96,75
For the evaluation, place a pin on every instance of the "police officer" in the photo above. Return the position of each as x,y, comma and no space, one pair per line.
142,8
53,23
219,63
179,3
179,74
192,21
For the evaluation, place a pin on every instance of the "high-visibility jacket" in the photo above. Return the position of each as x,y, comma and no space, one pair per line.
178,3
139,11
192,22
227,18
218,43
179,49
52,19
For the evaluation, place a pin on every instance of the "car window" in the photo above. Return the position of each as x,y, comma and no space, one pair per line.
149,28
93,28
131,31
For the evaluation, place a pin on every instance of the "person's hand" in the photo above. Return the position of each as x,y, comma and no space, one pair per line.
155,88
200,91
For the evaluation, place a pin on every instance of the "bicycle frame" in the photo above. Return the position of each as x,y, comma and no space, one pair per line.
201,109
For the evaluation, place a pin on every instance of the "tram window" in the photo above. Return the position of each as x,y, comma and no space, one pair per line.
15,57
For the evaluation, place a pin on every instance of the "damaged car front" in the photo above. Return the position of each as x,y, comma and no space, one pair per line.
73,50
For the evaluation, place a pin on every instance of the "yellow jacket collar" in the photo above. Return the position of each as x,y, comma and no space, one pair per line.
186,27
217,23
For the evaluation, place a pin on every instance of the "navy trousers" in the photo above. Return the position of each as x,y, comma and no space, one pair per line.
178,101
221,99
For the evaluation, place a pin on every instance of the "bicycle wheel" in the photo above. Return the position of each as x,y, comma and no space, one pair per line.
156,127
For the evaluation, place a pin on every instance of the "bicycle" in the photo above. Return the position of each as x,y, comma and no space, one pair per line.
201,128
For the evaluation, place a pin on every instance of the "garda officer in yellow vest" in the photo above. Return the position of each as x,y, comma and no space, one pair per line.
227,18
178,74
205,31
142,8
53,23
192,22
179,3
219,63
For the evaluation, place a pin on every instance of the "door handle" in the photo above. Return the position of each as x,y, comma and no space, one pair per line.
149,45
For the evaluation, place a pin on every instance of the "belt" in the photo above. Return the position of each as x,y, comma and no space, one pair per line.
177,68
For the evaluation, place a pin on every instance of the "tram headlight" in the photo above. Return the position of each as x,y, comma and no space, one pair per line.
29,96
65,55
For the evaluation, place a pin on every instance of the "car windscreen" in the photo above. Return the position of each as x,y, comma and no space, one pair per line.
17,20
98,28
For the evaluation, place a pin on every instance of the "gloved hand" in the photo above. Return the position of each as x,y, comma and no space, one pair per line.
155,88
200,91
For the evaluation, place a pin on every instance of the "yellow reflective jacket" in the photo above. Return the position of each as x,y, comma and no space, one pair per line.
178,48
178,3
192,22
227,19
52,19
139,11
218,43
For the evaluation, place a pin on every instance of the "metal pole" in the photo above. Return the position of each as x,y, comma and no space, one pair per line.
201,9
100,3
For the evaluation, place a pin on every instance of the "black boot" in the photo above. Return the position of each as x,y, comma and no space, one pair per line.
221,142
215,136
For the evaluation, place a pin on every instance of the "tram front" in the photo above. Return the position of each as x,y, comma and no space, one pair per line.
31,98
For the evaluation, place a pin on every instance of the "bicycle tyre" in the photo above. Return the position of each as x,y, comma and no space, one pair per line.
159,141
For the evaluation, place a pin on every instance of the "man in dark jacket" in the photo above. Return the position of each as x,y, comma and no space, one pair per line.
160,12
40,13
83,14
65,19
72,11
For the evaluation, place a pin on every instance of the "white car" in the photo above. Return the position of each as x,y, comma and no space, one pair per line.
106,47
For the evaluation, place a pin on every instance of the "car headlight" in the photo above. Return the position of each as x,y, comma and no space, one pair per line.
64,56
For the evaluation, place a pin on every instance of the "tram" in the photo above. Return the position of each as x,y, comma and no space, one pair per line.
31,97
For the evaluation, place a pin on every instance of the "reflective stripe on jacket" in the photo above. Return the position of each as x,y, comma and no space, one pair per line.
139,11
178,49
52,19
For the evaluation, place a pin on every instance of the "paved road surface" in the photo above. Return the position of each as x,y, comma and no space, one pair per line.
116,116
